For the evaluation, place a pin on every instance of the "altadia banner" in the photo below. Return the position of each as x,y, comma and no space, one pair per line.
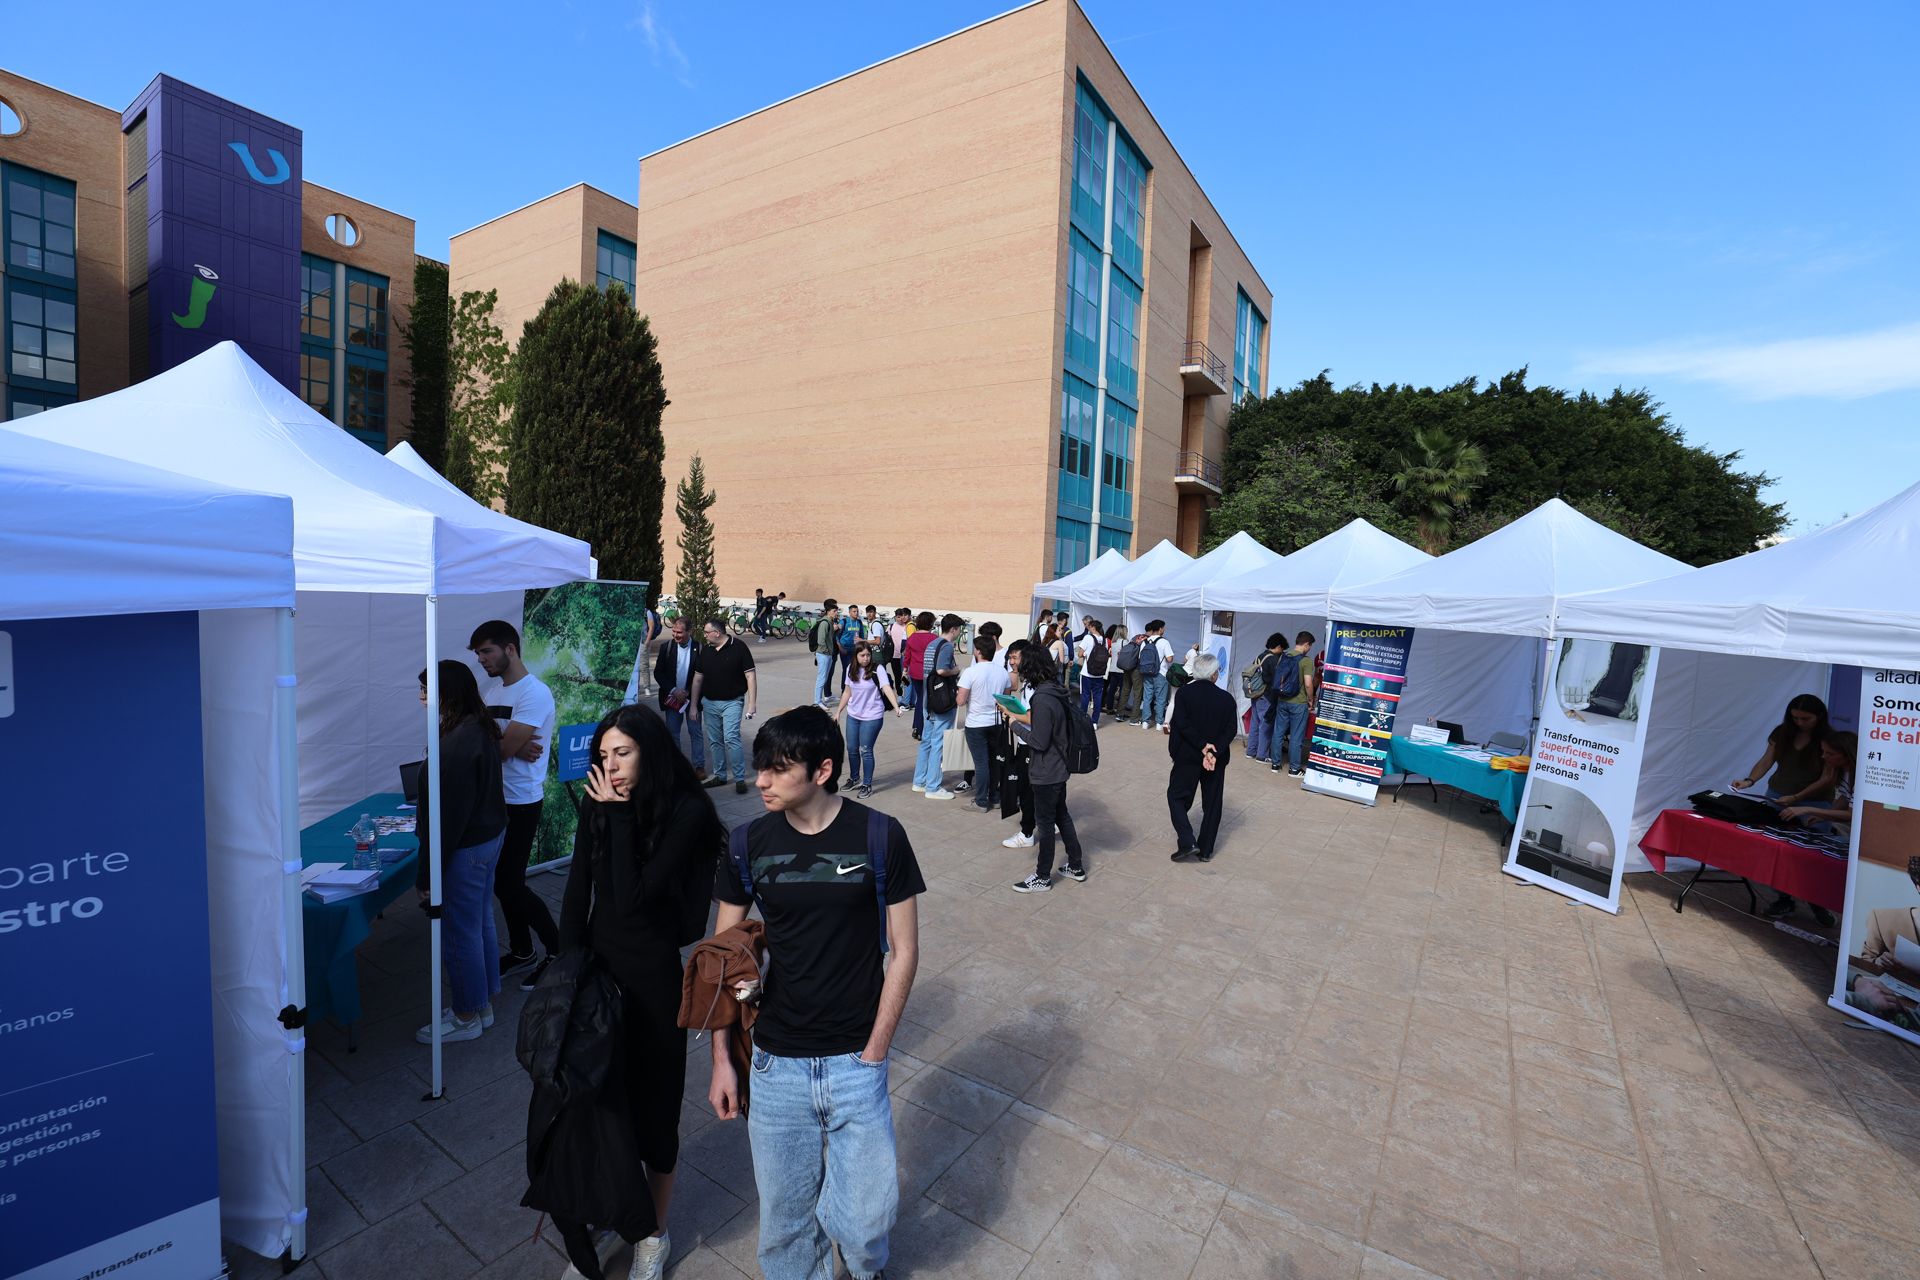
1878,977
1365,674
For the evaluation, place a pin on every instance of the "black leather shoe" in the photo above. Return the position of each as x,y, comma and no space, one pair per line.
1205,857
1183,853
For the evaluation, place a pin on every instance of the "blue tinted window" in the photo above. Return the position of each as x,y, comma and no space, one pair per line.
316,298
1070,538
613,262
1129,209
366,415
41,336
1076,444
1123,340
1248,327
366,310
1112,539
40,224
1090,164
1116,464
1083,306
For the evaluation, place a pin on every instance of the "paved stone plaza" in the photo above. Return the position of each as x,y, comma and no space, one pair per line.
1348,1047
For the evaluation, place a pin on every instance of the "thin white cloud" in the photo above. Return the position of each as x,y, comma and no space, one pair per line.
1844,367
662,47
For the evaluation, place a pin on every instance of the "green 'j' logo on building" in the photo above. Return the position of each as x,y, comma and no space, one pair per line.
203,290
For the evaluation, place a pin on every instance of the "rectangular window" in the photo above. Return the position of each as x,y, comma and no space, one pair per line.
1090,164
1123,340
1248,327
366,414
1116,464
316,382
613,263
316,298
366,310
1083,306
1070,538
24,404
40,225
1129,209
1112,539
41,336
1076,445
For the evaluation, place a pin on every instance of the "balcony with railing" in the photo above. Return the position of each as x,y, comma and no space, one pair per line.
1196,472
1204,373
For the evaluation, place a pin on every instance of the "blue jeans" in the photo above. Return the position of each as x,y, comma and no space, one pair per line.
861,735
468,947
721,723
1259,730
822,675
980,745
1153,700
823,1159
1289,734
933,737
1092,690
696,740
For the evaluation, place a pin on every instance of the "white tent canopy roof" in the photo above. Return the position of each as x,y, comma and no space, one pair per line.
1305,581
1175,585
1511,581
1111,592
1103,566
1847,595
360,523
405,455
82,535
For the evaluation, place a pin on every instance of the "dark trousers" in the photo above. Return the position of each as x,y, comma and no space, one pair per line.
1092,690
986,783
1050,812
919,688
525,910
1180,788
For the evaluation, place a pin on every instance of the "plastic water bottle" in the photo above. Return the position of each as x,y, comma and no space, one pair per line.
364,859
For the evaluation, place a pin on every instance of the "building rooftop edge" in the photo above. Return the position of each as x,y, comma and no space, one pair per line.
542,200
348,195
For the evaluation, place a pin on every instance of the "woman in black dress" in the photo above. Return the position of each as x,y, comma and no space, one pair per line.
646,848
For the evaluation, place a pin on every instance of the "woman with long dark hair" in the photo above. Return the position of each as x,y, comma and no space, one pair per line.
1831,815
866,691
644,852
1793,754
473,821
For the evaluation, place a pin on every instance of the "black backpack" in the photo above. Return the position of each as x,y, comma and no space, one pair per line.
1097,660
820,639
1286,677
1083,741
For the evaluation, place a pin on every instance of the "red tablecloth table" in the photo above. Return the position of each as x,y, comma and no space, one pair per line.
1807,874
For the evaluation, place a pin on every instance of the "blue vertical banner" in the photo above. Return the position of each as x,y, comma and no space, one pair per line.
108,1161
1365,674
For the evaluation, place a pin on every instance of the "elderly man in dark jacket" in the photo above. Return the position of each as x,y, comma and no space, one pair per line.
1200,740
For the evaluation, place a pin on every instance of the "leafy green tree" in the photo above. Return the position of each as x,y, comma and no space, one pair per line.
425,336
480,393
586,448
1302,490
1618,457
1436,482
694,588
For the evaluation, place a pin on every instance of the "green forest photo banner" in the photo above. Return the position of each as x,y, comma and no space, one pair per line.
582,640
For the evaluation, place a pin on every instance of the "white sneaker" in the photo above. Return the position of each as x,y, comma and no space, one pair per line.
650,1257
940,793
1017,841
452,1028
918,787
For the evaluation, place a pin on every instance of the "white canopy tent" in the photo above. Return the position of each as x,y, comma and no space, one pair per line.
1294,594
1481,613
1106,565
362,525
84,535
405,455
1110,592
1172,592
1740,637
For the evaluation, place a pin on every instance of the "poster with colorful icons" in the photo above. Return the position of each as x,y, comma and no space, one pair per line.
1576,814
1877,979
1364,676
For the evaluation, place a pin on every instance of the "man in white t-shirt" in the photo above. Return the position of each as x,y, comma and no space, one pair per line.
978,685
1095,658
524,709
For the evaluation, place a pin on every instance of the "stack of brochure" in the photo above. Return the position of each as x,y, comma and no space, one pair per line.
332,881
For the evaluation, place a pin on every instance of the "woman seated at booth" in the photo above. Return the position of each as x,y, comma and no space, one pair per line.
1832,815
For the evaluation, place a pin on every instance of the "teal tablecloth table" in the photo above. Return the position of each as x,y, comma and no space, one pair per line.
1475,777
335,929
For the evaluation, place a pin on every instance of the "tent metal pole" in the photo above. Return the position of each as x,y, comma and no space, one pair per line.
293,960
434,833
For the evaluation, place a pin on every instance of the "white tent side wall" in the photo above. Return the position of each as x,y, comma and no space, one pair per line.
1483,683
360,659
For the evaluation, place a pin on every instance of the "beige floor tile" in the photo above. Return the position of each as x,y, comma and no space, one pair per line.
1561,1177
1846,1252
1252,1241
1460,1063
1720,1240
1208,1149
1578,1109
1016,1180
1183,1198
1441,1246
1446,1121
1352,1103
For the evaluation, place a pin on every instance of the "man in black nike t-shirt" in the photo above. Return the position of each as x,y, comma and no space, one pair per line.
836,883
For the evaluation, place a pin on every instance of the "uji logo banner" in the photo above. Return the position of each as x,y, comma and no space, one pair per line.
1365,674
1576,815
107,1136
1878,975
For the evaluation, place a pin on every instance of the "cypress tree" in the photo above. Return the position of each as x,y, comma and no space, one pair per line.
425,335
586,450
698,597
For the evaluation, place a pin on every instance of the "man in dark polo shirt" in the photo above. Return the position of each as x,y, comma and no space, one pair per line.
725,688
821,1122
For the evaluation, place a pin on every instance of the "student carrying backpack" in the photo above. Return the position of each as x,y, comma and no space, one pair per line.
1253,678
1286,677
1129,657
1097,659
820,639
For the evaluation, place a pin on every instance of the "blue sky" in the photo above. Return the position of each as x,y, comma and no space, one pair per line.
1715,201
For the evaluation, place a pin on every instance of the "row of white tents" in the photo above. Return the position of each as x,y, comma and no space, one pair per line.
211,488
1738,638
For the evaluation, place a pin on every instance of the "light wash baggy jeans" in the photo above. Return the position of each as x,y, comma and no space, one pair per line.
823,1159
720,722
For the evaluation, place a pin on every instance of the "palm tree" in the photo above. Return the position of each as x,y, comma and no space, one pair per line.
1436,483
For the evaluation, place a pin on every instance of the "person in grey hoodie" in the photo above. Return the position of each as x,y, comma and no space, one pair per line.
1045,729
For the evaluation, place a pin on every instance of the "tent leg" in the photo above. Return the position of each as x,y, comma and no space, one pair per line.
434,887
293,960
